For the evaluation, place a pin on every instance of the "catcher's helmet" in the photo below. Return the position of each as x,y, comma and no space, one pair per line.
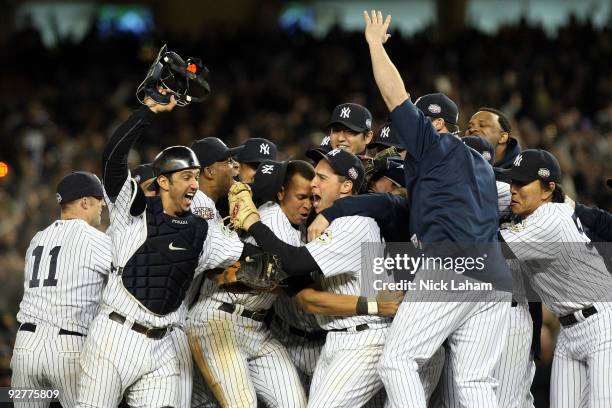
175,158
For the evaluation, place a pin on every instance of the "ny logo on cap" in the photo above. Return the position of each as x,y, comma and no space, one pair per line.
264,148
267,168
345,112
325,141
333,152
384,133
518,160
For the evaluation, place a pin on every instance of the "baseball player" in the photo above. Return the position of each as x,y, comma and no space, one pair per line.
495,127
350,128
345,374
453,199
66,267
568,274
250,154
236,353
157,248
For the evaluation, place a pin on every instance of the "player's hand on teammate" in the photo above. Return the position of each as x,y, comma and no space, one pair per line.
317,227
389,302
156,107
376,28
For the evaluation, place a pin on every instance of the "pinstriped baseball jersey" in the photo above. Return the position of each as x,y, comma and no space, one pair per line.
271,215
65,269
504,198
567,276
129,232
203,206
338,254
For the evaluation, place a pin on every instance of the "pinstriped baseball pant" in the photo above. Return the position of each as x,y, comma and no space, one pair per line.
476,331
46,359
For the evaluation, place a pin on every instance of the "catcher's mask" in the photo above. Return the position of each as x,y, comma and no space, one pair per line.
171,71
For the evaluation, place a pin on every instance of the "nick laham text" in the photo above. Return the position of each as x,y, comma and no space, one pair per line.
433,285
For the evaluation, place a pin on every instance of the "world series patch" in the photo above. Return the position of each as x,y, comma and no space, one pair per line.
204,212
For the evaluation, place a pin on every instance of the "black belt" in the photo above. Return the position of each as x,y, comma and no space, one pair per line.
31,327
316,335
156,333
359,328
570,319
249,314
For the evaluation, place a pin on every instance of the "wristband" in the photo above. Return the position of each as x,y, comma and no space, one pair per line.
372,306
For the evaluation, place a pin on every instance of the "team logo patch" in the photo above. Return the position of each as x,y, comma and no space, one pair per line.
353,173
325,141
264,148
384,133
434,108
345,112
544,172
486,155
204,212
267,168
325,237
518,160
58,197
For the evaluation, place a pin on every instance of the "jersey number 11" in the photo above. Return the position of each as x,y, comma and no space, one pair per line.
50,280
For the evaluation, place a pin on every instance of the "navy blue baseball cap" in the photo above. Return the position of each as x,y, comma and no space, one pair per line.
256,150
386,136
482,146
395,172
78,184
534,164
143,173
212,149
268,180
352,115
438,105
344,164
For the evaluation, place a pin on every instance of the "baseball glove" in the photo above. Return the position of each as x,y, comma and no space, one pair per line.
241,204
258,273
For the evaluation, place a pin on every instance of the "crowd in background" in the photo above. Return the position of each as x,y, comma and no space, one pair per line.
59,106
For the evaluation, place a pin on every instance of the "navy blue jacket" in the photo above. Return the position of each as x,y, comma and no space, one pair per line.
452,192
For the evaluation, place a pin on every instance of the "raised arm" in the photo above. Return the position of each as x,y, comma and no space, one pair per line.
386,75
115,155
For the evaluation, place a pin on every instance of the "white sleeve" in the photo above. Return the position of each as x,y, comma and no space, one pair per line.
222,247
534,238
338,249
504,199
100,251
119,211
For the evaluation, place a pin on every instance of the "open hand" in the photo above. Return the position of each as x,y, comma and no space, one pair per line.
376,28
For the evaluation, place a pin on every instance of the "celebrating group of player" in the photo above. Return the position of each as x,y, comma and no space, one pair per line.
138,313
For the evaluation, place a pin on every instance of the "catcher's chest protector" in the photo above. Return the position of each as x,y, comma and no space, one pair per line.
160,271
